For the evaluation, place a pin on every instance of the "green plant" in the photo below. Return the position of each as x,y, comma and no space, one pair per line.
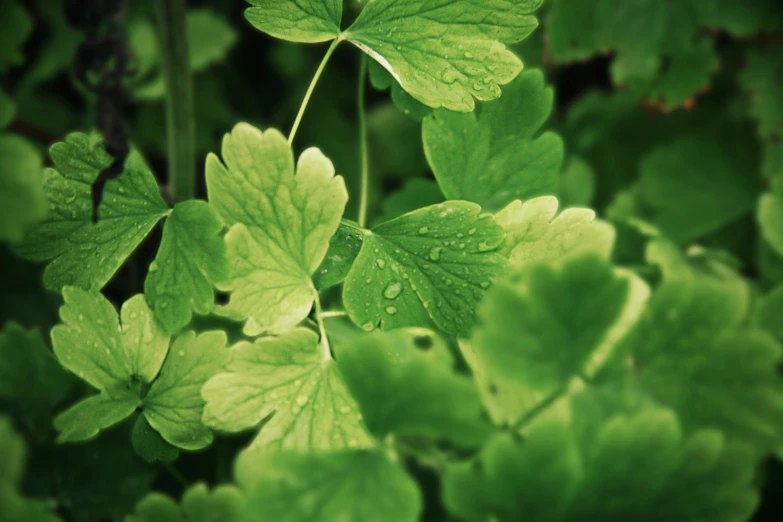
477,345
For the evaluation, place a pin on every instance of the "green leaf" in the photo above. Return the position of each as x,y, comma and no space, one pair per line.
694,186
173,406
770,216
434,263
223,504
149,445
343,249
21,197
761,80
447,53
767,314
415,194
405,384
7,110
289,378
80,252
29,373
546,326
584,466
337,486
16,25
309,21
692,352
495,156
124,360
191,257
93,481
536,232
13,506
577,183
278,239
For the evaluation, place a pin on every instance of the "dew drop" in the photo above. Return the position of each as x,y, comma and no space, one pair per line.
484,284
181,353
484,246
381,263
301,400
391,310
368,327
392,290
435,253
468,55
154,266
471,231
423,230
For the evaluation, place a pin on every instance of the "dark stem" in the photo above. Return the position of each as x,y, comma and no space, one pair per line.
180,120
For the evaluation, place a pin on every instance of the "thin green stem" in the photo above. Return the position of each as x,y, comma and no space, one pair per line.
310,89
364,152
179,477
333,313
180,120
319,318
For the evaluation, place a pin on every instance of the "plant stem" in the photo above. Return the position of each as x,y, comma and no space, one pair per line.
180,120
179,477
365,162
310,89
333,313
319,318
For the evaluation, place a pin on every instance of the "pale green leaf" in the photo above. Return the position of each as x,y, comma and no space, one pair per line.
434,263
328,487
405,384
289,378
445,53
496,155
13,454
580,464
548,325
191,257
536,232
173,406
80,252
223,504
693,352
280,225
22,197
87,418
309,21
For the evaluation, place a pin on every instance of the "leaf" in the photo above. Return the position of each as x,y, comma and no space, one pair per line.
16,25
577,183
343,249
694,186
308,21
191,257
289,378
448,52
7,110
770,216
81,253
495,156
328,487
382,80
280,225
21,197
582,466
434,263
416,193
692,352
124,360
13,506
546,326
149,445
535,232
173,406
761,80
767,313
30,374
405,384
223,504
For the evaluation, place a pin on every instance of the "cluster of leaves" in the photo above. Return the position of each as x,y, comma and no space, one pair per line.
488,329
